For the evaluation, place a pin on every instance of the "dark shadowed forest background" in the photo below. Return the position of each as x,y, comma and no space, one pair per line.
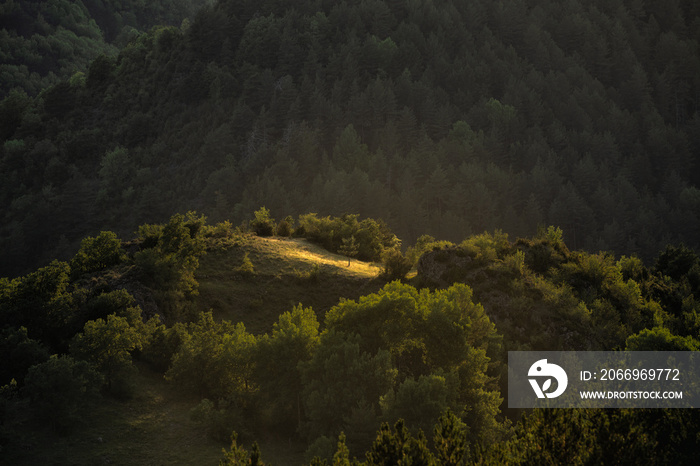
322,224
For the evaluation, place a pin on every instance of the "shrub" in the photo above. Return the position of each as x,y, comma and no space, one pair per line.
246,268
263,224
372,236
285,227
396,265
97,253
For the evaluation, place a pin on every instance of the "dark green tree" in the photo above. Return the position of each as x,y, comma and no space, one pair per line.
97,253
108,345
450,440
399,447
277,357
349,248
236,455
263,224
60,389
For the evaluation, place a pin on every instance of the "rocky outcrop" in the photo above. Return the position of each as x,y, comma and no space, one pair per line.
443,267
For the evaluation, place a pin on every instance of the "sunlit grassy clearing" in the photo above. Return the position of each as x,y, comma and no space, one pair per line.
312,254
287,271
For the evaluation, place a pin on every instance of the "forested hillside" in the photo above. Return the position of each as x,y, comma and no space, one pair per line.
43,43
115,350
441,117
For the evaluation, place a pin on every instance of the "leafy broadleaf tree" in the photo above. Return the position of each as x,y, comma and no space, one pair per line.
43,303
338,378
59,389
660,339
438,343
214,360
21,353
108,344
277,357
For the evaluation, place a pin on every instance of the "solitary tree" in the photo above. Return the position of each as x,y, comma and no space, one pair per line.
349,248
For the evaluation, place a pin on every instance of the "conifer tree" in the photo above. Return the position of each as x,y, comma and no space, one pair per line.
349,248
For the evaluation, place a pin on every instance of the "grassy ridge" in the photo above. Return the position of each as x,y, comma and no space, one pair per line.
287,271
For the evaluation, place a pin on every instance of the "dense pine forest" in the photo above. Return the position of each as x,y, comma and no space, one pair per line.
44,43
306,232
440,117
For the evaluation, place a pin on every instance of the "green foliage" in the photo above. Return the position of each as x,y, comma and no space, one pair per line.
436,343
487,247
554,436
372,237
660,339
238,456
46,42
285,227
59,389
117,175
20,353
309,277
406,111
450,440
170,259
214,360
42,302
339,378
419,402
349,151
421,125
399,447
293,340
395,264
341,457
431,358
12,109
97,253
111,302
247,269
632,267
515,263
587,436
676,261
108,345
162,345
417,327
424,244
349,248
263,224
